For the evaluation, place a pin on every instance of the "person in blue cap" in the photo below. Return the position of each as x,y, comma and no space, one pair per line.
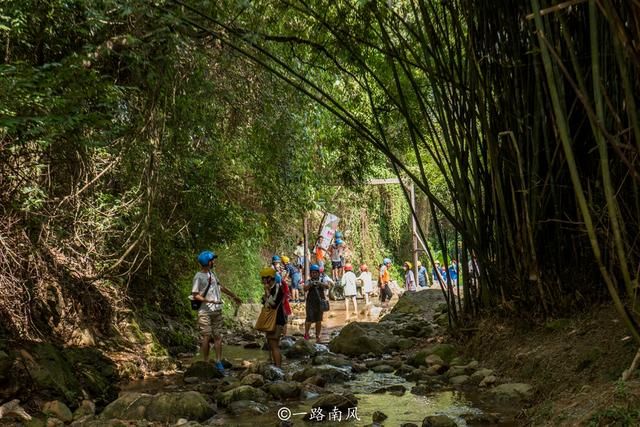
208,290
314,289
336,254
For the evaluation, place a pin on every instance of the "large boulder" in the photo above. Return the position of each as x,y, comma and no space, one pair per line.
424,303
359,338
162,407
65,374
243,392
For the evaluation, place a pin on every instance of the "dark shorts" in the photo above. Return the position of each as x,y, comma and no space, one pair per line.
385,293
336,264
314,313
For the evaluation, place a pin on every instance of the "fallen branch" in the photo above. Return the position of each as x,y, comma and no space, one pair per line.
634,364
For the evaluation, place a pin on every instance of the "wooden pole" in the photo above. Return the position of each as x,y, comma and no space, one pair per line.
414,234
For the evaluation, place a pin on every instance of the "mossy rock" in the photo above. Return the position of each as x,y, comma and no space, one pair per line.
162,407
68,374
445,351
244,392
418,359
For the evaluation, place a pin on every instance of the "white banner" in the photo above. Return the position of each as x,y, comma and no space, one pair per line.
329,228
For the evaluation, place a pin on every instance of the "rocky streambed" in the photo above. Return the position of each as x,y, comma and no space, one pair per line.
390,372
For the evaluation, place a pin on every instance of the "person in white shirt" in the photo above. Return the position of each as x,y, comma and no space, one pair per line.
367,284
208,290
350,289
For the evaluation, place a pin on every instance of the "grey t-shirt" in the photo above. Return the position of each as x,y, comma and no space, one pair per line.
200,282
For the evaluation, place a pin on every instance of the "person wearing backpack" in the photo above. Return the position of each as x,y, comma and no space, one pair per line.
316,303
207,291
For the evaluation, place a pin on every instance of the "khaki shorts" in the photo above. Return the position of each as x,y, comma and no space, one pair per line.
210,324
275,334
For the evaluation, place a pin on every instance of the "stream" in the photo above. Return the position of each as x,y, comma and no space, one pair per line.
401,407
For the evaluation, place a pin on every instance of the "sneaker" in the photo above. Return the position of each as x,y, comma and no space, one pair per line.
219,366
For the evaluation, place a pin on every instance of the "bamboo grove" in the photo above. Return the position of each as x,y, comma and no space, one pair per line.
527,109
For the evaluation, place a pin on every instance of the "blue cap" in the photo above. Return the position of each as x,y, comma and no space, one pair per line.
314,267
386,261
339,241
275,258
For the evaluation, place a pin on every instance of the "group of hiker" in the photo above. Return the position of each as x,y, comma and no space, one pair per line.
283,284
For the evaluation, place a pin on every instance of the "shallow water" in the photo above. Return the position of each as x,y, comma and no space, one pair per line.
405,408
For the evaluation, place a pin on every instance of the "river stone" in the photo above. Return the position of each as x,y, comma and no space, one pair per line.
383,369
435,370
203,371
302,348
472,366
438,421
334,400
395,390
445,351
481,374
434,359
86,408
513,391
488,380
321,348
404,370
331,359
247,408
267,370
359,368
54,422
254,380
459,379
284,390
286,343
58,410
330,373
243,392
454,371
421,390
316,380
379,417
